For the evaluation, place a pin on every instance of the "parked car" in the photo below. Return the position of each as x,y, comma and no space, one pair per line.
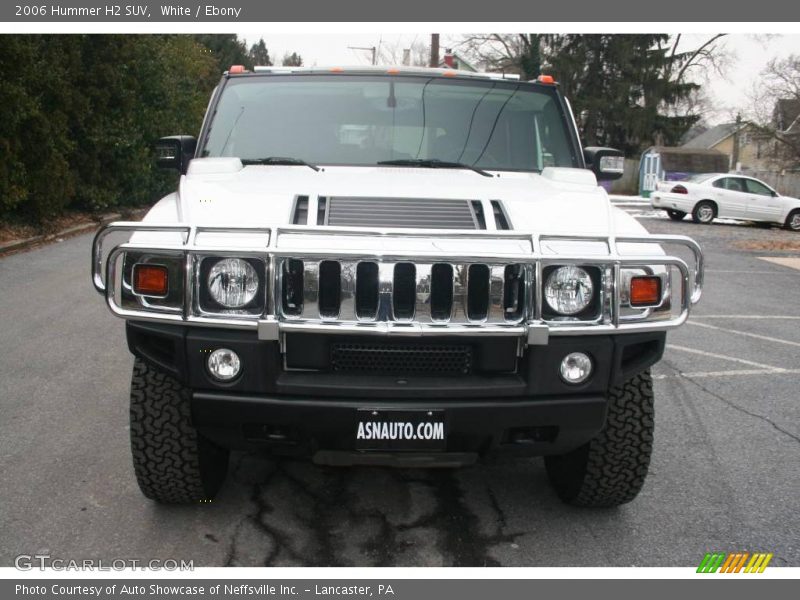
406,267
727,196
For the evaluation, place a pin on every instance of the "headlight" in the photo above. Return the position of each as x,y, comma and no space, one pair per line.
568,290
232,282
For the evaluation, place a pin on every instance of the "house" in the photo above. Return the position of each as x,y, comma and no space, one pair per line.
746,146
453,60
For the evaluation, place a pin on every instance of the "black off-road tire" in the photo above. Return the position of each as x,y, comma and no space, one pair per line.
699,212
792,223
676,215
610,469
173,463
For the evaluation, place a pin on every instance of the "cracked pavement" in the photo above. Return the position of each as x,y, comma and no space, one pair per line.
724,474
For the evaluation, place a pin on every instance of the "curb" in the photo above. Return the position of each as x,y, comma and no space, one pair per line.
24,244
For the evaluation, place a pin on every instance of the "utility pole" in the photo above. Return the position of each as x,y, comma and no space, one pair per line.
434,50
371,49
735,153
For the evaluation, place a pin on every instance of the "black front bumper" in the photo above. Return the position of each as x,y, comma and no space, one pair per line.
326,429
507,403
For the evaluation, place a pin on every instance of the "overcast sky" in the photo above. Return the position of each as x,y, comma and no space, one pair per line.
729,91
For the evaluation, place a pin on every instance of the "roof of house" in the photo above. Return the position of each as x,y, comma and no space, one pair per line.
713,136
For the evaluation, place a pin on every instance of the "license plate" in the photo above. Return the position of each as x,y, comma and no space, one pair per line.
400,430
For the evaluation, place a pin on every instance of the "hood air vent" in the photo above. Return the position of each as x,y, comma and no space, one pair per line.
300,211
404,213
501,220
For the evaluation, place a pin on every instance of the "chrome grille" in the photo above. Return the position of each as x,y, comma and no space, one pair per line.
363,291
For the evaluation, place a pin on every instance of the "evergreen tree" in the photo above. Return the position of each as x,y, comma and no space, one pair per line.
620,86
259,55
292,60
226,50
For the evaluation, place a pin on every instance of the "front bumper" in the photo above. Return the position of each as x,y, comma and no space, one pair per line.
325,429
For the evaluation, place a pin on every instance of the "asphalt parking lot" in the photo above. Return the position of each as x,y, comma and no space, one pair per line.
724,475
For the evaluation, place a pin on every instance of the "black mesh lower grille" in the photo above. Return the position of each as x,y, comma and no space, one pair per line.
406,359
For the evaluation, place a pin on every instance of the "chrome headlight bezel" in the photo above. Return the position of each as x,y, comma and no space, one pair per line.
209,304
588,309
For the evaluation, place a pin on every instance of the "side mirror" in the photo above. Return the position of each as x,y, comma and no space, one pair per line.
606,163
175,152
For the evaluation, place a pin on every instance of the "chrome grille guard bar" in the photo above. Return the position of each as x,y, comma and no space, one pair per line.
415,246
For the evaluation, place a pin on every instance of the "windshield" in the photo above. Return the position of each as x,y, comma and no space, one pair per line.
364,120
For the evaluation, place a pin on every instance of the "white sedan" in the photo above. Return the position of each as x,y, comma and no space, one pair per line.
728,196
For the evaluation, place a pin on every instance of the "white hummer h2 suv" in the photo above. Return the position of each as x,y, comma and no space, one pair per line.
409,267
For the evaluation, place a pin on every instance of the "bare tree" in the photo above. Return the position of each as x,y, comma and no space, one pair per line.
775,111
392,53
502,52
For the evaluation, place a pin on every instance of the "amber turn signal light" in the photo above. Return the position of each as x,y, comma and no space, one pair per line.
150,280
645,291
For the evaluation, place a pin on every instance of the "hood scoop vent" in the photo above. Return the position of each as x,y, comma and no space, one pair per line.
404,213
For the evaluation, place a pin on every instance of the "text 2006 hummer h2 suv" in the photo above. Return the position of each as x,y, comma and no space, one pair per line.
392,267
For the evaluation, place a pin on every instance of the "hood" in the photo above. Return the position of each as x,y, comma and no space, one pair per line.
220,191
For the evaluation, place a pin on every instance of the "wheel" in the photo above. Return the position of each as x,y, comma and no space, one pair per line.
173,463
793,221
676,215
704,212
610,469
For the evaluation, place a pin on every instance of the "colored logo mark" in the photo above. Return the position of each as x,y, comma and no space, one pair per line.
734,562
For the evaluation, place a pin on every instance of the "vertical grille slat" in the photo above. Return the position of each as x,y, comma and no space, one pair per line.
497,284
310,290
347,287
422,308
458,314
404,292
385,310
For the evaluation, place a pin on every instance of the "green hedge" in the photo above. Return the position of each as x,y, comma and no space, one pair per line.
80,114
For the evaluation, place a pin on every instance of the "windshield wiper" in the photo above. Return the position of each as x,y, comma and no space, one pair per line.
433,163
279,160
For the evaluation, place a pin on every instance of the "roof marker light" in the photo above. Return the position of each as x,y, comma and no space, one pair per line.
236,69
545,79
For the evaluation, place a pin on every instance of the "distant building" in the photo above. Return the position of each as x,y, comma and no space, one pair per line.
749,147
453,60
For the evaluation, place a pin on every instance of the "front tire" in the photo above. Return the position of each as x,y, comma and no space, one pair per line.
793,221
676,215
611,468
173,463
704,212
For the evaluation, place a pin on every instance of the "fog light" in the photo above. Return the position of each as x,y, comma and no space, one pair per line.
224,364
576,367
